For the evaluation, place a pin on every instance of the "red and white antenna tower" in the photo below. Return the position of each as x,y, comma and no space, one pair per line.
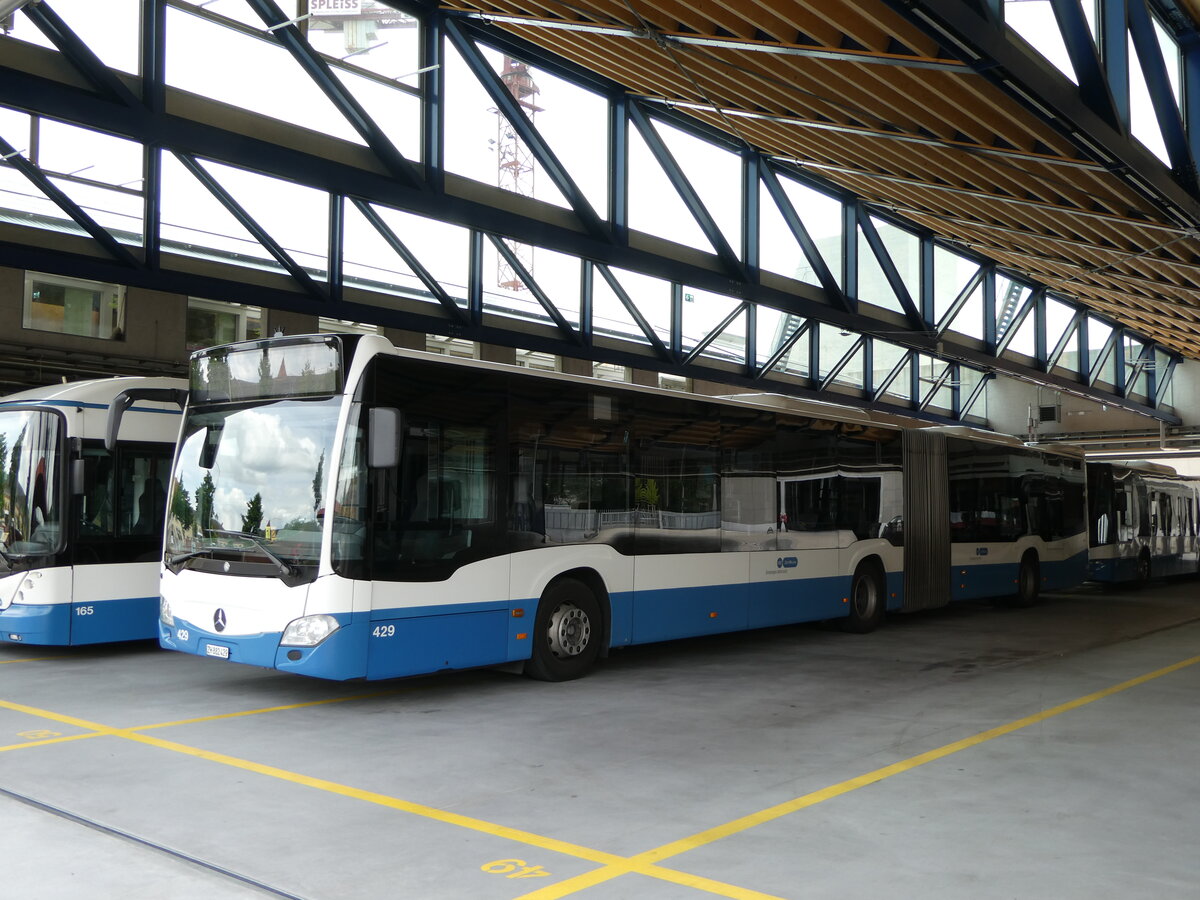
514,162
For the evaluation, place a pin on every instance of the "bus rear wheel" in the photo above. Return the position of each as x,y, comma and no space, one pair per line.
566,632
867,604
1143,569
1029,582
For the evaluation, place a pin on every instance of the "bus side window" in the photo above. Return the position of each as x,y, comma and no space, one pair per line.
141,496
96,505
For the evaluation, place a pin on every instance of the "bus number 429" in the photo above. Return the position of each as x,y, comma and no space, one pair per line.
383,631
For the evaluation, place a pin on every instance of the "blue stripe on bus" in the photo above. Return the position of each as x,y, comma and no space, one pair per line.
40,624
1000,579
120,619
75,404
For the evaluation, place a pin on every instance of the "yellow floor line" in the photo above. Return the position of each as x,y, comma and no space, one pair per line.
61,739
266,709
611,865
652,857
6,662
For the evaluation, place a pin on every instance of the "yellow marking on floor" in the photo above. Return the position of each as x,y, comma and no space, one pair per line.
645,863
266,709
332,787
513,834
5,662
61,739
57,717
612,865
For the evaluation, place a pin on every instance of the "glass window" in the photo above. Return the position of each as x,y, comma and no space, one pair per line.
437,509
73,306
212,322
31,486
677,499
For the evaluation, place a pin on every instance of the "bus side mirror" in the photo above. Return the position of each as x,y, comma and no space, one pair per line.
212,443
385,427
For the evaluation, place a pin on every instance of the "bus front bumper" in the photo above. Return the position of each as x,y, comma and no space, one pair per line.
340,656
27,623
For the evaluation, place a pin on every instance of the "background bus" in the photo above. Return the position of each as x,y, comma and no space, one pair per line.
1143,521
80,525
344,509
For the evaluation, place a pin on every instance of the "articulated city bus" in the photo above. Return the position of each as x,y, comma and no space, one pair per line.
81,508
343,509
1143,521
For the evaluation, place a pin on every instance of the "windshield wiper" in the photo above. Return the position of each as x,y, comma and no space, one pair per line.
191,554
260,542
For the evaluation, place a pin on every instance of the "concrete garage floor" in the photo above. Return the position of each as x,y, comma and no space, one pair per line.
970,752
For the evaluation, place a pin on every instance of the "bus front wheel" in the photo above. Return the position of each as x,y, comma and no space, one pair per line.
566,633
867,604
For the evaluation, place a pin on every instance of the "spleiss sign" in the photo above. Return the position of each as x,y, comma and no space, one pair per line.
335,7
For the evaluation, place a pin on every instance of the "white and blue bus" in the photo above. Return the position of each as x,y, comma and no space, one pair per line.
1143,522
82,510
344,509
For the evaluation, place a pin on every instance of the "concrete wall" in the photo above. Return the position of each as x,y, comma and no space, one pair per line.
153,340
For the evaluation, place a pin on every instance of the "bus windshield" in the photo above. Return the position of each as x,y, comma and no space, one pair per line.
249,485
30,482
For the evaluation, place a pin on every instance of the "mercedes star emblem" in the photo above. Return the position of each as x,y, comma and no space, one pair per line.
219,620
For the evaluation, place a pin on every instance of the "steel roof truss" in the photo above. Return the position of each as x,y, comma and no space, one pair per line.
335,274
1065,341
526,130
891,376
647,329
298,272
965,409
687,193
1110,345
1085,60
38,178
784,348
410,260
890,272
960,301
795,224
715,333
935,387
527,279
1158,82
841,364
1164,382
1144,360
287,34
1018,319
79,54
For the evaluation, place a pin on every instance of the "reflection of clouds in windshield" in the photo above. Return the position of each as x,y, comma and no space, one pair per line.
271,452
270,457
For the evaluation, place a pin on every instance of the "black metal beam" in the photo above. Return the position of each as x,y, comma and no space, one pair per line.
318,70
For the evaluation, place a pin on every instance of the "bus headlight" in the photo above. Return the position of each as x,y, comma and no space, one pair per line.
308,631
164,612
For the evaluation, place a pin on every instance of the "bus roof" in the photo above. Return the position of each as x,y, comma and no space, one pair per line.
92,392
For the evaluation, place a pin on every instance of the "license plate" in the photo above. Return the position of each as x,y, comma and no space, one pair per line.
216,650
